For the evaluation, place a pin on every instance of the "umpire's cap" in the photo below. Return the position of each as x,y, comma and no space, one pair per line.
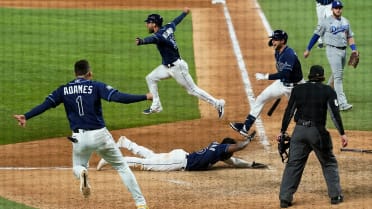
155,18
278,35
316,73
337,4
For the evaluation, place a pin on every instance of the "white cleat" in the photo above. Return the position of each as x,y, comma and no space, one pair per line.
221,108
84,184
101,163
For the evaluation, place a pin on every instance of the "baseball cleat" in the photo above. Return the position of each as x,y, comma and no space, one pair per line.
346,107
244,131
337,200
285,204
150,111
236,126
84,184
101,163
221,108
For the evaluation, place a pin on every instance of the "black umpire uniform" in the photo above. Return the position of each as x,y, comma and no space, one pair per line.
310,102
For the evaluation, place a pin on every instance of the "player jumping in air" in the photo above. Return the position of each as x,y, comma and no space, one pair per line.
172,65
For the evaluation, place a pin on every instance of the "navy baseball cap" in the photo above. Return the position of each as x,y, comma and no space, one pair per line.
154,18
337,4
316,73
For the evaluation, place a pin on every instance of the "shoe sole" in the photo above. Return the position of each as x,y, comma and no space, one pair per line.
101,164
85,189
221,110
233,127
346,109
151,112
245,134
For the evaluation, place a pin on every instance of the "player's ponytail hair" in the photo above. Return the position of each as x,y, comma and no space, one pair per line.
81,67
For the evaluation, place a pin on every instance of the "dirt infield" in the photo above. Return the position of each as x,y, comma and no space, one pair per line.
53,186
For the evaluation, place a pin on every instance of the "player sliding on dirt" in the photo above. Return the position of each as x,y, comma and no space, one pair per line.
179,159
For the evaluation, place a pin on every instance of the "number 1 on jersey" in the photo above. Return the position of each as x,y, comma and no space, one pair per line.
79,102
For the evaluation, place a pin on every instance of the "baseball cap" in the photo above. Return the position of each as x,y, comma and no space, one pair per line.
316,73
154,18
337,4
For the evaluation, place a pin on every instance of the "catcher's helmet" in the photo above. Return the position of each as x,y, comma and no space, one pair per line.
155,18
278,35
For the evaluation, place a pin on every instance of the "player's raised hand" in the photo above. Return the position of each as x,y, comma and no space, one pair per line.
186,10
21,120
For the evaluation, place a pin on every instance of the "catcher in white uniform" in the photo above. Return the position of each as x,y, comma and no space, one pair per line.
180,160
172,64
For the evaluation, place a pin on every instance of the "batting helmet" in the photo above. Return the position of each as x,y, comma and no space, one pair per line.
278,35
155,18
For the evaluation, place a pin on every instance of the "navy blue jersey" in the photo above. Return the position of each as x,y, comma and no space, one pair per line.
288,66
165,41
82,102
205,158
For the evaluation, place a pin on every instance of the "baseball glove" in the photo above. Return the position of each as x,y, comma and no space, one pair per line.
354,59
283,144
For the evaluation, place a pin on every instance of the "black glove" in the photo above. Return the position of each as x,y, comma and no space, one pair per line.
283,144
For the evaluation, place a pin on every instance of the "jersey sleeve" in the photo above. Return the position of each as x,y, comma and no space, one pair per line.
105,91
51,101
334,111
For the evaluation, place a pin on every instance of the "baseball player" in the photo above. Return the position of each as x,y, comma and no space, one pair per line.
82,101
179,159
337,35
323,10
309,104
289,74
172,64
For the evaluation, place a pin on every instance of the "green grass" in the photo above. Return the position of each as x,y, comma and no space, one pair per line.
298,19
40,46
4,203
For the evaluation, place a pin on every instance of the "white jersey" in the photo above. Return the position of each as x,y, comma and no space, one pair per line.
335,32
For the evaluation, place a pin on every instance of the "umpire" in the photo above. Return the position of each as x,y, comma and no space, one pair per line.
310,101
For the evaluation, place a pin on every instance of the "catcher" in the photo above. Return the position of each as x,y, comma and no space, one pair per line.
180,160
310,102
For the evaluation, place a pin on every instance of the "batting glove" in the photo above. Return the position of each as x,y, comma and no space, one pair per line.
261,76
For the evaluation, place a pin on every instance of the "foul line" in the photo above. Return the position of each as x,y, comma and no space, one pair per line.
243,70
35,168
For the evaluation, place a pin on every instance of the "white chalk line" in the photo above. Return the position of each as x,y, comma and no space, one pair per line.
35,168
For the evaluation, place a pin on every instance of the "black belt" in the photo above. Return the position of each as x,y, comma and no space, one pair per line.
306,123
290,84
171,64
324,2
77,130
338,47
